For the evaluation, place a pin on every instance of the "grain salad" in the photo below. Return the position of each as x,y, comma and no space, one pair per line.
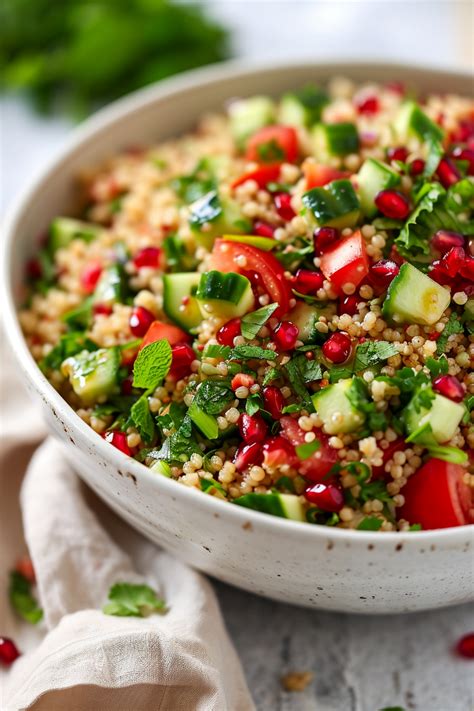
277,309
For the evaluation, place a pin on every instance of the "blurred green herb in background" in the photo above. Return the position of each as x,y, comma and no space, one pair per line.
73,55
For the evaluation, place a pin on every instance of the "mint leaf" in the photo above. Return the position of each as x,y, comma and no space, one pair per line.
142,418
270,375
253,404
253,322
212,396
435,153
22,600
453,326
179,446
130,600
215,351
152,364
372,352
250,352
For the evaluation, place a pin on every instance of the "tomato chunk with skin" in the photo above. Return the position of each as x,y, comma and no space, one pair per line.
437,497
262,176
346,262
318,465
273,144
318,175
159,330
227,257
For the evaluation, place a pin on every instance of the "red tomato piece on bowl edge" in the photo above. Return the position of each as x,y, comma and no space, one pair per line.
273,144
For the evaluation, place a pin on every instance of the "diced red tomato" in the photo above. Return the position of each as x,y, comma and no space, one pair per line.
273,144
223,258
263,175
159,330
318,175
318,464
346,262
437,497
90,276
397,446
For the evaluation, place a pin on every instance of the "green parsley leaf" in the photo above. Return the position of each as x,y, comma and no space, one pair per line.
415,527
79,317
212,396
339,373
131,600
22,600
307,449
370,523
452,327
152,364
250,352
270,375
437,366
252,323
142,418
213,350
253,404
69,344
211,486
371,353
289,409
284,483
179,446
301,371
270,152
193,186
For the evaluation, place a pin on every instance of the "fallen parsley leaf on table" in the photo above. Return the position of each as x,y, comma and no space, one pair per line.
130,600
22,600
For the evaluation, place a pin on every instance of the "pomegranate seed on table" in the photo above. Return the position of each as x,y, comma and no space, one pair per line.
466,154
393,204
90,276
447,172
263,229
8,651
274,401
253,428
450,387
366,104
397,153
148,257
348,305
382,273
337,348
324,237
283,206
285,336
118,440
327,497
242,380
307,281
465,646
230,330
182,355
247,455
140,321
444,240
417,166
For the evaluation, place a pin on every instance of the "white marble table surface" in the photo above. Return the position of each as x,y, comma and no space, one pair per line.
359,663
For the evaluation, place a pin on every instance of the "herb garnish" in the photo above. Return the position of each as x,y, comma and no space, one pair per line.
131,600
22,600
152,365
252,323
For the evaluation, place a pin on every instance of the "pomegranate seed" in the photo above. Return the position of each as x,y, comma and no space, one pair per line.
118,440
465,646
242,380
466,154
450,387
439,274
253,428
382,273
283,206
263,229
453,261
90,276
102,309
308,282
397,153
417,166
444,240
247,455
467,268
324,237
33,269
230,330
337,348
148,257
274,401
325,496
285,335
367,104
127,385
8,651
393,204
140,321
182,355
447,172
348,305
464,132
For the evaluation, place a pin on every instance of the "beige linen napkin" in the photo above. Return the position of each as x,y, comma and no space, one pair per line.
79,658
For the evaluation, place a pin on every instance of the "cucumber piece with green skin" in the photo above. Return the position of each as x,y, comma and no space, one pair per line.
207,424
112,286
305,317
249,115
179,299
372,178
161,467
283,505
93,374
64,229
468,313
302,108
334,139
413,297
335,409
412,121
211,217
334,205
178,259
226,295
264,243
434,425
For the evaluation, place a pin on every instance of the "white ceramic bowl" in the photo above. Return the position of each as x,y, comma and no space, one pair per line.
319,567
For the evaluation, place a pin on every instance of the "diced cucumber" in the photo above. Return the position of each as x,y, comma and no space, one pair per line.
207,424
335,409
305,316
468,314
112,286
438,423
415,298
283,505
412,121
64,229
248,115
334,139
303,108
335,205
373,177
211,217
179,300
264,243
178,258
161,467
226,295
93,374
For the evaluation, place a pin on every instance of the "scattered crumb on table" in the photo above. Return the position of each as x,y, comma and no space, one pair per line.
297,681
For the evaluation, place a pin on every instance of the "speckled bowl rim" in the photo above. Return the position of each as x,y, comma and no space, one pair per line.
127,106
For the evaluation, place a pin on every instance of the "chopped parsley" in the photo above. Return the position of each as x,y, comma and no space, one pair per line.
22,600
131,600
252,323
251,352
452,327
372,353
